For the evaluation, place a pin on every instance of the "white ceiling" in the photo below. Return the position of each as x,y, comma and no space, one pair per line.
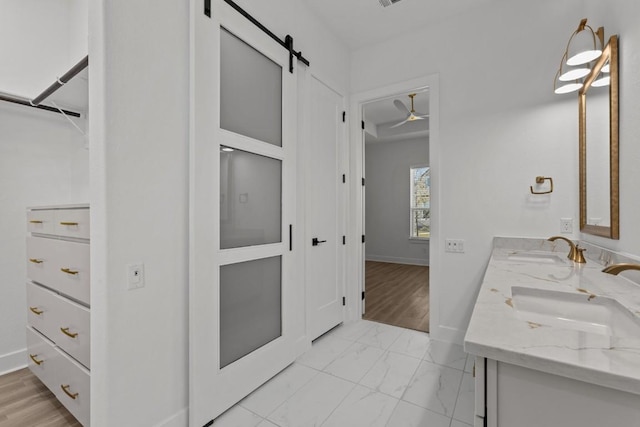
383,114
359,23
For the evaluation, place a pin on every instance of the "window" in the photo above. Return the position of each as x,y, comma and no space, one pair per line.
420,182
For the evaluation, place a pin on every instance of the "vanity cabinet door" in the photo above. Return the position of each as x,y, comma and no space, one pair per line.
480,379
524,397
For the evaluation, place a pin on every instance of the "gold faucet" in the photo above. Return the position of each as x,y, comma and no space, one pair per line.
575,251
615,269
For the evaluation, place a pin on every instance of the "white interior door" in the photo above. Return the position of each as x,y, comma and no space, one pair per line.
243,212
325,252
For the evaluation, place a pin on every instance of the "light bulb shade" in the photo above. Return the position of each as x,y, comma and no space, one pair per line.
606,68
584,56
584,45
568,88
602,81
574,74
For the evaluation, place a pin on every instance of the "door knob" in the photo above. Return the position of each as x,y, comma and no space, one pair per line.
316,242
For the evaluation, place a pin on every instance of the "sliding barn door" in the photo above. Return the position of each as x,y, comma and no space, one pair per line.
243,211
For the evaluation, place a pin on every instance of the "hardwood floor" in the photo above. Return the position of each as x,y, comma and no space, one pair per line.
397,294
26,402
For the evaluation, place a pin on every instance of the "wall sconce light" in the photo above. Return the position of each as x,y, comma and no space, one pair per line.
583,47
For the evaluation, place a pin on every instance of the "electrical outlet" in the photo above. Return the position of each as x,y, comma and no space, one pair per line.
566,225
135,276
454,245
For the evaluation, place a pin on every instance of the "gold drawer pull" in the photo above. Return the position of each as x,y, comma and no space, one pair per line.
68,223
36,311
36,361
69,271
65,388
35,221
70,334
36,260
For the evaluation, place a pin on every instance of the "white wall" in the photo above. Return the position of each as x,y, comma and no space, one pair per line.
500,127
387,201
42,162
39,41
42,157
139,99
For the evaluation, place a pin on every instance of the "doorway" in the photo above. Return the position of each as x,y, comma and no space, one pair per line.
360,195
397,209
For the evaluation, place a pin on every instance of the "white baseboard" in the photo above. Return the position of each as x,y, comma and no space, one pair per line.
180,419
397,260
446,334
13,361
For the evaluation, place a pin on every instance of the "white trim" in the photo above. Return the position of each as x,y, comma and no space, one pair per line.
419,239
179,419
356,223
396,260
11,362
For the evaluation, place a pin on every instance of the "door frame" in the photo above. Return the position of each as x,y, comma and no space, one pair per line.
356,253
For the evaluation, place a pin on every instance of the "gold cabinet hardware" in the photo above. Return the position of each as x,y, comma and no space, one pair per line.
36,311
36,260
66,388
68,223
35,221
69,334
540,180
36,361
69,271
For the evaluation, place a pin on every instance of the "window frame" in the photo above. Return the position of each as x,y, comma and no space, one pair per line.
413,208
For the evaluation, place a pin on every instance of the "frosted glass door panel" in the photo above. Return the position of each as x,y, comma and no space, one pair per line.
250,199
250,307
250,91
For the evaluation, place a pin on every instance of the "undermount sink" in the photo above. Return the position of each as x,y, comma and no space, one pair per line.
537,257
581,312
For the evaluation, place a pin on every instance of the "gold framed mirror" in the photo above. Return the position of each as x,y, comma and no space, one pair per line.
599,155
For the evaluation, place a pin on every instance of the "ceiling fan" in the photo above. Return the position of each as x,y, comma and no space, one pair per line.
411,114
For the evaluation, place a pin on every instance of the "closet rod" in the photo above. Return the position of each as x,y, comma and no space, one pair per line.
24,101
61,81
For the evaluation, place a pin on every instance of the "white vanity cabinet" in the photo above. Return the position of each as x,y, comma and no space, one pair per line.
58,312
508,395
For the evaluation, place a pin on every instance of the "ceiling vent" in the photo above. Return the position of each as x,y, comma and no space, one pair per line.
386,3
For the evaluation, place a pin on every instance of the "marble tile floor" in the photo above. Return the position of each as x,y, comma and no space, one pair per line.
365,374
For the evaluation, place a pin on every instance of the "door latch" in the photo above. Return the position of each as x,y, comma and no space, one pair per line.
316,242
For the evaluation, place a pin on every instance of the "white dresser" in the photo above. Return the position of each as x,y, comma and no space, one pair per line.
58,323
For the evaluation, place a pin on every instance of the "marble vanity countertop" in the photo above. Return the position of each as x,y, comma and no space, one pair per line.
499,330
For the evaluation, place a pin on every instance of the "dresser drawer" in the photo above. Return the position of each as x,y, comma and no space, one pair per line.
43,307
71,275
41,221
72,387
61,265
72,223
40,259
42,357
72,331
